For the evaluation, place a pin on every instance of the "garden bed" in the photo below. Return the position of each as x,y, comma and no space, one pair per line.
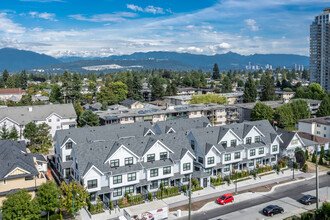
131,204
241,180
218,184
168,196
197,189
285,169
265,174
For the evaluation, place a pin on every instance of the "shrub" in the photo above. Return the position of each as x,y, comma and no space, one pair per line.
321,160
305,168
278,169
91,209
184,188
314,158
306,154
89,205
111,205
254,174
120,202
228,180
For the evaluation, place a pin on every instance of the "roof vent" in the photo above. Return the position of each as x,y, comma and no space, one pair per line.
30,108
91,148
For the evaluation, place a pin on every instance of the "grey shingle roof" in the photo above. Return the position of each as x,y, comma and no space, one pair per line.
157,163
178,125
128,102
286,136
22,115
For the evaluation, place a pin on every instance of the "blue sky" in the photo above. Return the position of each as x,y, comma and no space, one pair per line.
106,27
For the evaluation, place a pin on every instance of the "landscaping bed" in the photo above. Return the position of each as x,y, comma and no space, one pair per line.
131,204
241,180
265,174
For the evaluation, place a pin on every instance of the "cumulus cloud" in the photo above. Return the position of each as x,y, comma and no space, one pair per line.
8,26
116,17
252,24
191,49
148,9
43,15
134,7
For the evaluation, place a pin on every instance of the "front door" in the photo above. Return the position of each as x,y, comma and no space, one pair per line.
138,190
205,182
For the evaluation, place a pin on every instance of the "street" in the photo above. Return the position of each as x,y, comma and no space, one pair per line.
285,196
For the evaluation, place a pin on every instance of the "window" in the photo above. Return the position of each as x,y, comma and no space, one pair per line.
227,157
237,155
258,160
68,145
235,166
114,163
224,143
58,120
251,163
200,159
131,177
165,182
154,184
92,197
128,161
248,140
325,128
163,155
185,178
68,158
117,179
210,160
129,189
209,171
67,173
274,148
49,120
261,150
192,144
117,192
92,184
150,157
4,182
233,143
273,159
186,166
252,152
166,170
318,132
28,178
153,172
227,168
294,142
257,139
318,125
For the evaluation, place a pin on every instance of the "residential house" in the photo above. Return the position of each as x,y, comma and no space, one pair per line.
316,142
316,126
19,169
14,94
132,104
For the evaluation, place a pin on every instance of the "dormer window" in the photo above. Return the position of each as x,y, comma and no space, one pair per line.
163,155
114,163
128,161
224,143
233,143
68,145
257,139
248,140
192,144
150,157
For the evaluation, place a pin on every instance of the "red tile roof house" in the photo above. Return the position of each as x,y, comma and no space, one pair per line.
11,94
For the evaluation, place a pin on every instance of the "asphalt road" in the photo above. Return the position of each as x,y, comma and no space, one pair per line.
293,191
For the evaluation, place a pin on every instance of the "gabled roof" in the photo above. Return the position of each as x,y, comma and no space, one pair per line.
314,138
128,102
179,125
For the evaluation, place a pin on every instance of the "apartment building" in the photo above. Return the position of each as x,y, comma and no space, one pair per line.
57,116
316,126
220,150
19,169
217,114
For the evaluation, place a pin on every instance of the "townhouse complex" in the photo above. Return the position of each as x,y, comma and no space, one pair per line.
136,158
57,116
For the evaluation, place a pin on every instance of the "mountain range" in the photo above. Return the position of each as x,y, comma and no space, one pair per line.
15,60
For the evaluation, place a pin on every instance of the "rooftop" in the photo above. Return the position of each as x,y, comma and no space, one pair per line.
321,120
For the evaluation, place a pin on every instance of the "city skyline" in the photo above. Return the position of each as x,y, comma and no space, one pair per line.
109,27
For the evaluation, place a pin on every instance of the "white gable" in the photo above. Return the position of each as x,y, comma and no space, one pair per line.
121,153
230,135
157,148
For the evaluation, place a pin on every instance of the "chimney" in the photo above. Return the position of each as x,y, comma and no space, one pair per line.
30,108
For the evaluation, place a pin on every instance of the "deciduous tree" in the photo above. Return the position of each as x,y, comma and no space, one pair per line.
262,111
48,197
324,109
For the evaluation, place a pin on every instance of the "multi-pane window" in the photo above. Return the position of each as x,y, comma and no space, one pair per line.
131,177
227,157
224,143
233,143
68,145
257,139
163,155
150,157
185,178
200,159
68,158
258,160
237,155
235,166
114,163
165,182
261,150
154,172
128,160
273,159
274,148
251,163
209,171
192,144
186,166
227,168
92,184
117,179
117,192
129,189
166,170
252,152
210,160
92,197
154,184
248,140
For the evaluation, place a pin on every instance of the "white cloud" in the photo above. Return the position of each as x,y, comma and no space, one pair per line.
43,15
148,9
134,7
191,49
116,17
8,26
252,24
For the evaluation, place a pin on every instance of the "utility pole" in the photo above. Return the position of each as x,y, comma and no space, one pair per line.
189,217
317,178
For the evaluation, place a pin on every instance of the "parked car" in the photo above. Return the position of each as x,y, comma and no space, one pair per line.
226,198
272,210
308,199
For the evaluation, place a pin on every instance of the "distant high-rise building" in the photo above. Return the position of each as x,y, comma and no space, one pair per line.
320,50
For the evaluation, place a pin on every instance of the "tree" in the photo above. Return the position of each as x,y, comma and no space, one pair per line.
284,116
208,98
314,157
324,109
88,118
66,85
55,94
268,92
13,135
10,82
20,206
39,138
26,100
30,131
4,132
216,72
300,110
112,93
75,93
5,75
137,87
226,85
262,111
240,83
157,89
77,191
23,79
48,197
104,106
250,91
305,74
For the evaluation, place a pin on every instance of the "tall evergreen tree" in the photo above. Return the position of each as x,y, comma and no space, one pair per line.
268,92
75,94
23,79
157,89
4,132
130,85
66,85
216,72
55,94
324,109
250,91
13,135
5,75
226,85
10,82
